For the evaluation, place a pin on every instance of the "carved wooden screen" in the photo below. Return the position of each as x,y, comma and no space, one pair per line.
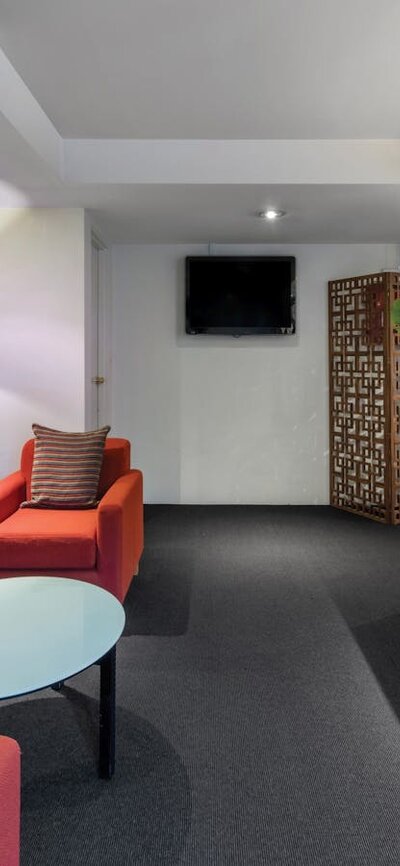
394,338
365,396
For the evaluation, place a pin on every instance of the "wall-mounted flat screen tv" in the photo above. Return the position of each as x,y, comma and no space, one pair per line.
234,295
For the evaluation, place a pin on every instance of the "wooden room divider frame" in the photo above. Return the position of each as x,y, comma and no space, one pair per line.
364,362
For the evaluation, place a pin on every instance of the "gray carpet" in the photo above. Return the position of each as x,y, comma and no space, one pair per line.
258,703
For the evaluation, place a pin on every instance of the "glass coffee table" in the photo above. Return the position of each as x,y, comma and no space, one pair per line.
52,628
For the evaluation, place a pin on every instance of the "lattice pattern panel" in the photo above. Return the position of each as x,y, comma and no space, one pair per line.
395,405
358,401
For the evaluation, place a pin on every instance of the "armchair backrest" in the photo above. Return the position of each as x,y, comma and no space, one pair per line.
116,462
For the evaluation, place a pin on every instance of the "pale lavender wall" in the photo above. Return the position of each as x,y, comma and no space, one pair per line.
41,324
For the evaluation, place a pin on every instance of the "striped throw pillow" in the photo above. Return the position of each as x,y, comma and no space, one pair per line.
66,468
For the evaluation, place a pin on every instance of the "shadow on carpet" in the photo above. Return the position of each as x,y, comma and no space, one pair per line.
69,815
158,601
379,641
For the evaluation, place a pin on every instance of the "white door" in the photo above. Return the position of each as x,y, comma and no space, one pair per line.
99,339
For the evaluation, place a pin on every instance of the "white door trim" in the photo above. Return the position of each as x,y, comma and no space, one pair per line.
103,327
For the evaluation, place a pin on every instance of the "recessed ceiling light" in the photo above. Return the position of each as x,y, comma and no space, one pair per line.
271,214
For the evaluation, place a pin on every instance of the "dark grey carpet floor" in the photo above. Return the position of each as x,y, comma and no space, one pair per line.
258,703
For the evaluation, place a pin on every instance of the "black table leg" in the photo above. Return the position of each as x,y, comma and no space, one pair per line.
107,715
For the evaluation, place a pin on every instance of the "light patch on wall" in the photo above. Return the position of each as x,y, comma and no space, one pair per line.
13,203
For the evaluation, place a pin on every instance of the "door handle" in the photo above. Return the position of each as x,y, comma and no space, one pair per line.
98,380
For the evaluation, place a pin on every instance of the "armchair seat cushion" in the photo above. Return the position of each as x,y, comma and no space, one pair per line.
35,539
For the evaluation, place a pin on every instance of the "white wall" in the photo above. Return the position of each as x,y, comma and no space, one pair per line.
218,419
41,324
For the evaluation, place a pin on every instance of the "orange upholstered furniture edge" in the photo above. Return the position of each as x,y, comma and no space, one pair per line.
102,545
10,803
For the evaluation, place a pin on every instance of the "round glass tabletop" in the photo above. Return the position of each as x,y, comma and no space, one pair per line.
51,628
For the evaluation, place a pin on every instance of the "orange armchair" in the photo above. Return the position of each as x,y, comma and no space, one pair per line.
10,797
101,545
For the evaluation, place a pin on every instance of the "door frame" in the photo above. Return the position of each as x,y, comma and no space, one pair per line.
94,239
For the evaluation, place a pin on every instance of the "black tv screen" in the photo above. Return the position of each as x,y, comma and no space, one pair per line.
232,295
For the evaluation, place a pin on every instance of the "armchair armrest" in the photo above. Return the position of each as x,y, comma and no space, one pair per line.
120,530
12,493
10,796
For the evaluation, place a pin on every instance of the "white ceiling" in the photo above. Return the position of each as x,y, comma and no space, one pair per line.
210,69
219,69
20,168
